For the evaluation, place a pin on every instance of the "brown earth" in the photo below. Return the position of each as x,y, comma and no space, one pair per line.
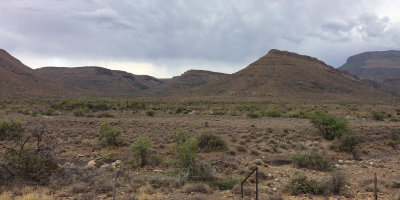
286,76
267,141
375,65
100,80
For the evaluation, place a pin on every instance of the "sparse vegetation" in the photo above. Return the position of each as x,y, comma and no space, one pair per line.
271,113
380,115
26,157
109,136
347,143
79,112
313,160
187,152
302,185
209,142
141,148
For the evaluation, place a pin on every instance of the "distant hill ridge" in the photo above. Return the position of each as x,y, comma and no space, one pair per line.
375,65
16,79
283,75
101,80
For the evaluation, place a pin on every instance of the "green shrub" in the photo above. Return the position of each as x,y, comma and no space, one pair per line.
48,112
187,153
209,142
271,113
227,183
314,160
301,185
200,172
109,136
141,148
347,142
329,126
299,114
11,129
179,137
79,112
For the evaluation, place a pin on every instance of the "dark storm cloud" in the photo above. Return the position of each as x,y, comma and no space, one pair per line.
181,34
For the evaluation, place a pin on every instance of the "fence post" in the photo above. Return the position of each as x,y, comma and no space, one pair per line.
375,187
251,173
256,183
115,185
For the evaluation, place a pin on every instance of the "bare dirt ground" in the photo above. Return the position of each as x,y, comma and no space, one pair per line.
86,170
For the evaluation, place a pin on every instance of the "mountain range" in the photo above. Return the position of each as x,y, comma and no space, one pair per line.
279,75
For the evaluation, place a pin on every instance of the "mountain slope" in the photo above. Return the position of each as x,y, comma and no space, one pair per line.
19,80
100,80
376,65
187,80
282,75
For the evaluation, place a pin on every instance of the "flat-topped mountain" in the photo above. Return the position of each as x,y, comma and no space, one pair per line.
100,80
375,65
16,79
282,75
187,80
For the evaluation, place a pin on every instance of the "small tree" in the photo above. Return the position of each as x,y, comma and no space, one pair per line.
109,136
329,126
187,152
141,148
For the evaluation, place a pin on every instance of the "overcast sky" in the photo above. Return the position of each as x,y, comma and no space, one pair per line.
164,38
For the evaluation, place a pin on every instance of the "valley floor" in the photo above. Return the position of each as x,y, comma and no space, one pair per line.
86,170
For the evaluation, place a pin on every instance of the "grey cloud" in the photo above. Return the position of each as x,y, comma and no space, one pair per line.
178,34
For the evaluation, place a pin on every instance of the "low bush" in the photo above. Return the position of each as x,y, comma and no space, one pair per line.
227,183
79,112
302,185
209,142
253,115
393,143
314,160
271,113
187,153
179,137
200,172
329,126
347,143
29,156
379,115
48,112
110,136
11,129
150,113
337,182
141,148
299,114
